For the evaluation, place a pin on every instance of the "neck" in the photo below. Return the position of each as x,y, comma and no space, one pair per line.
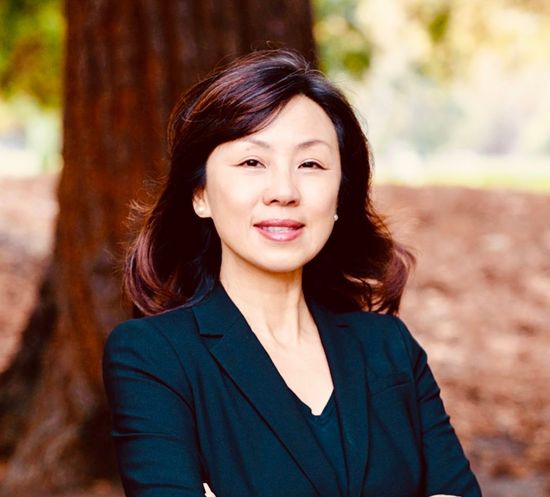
272,303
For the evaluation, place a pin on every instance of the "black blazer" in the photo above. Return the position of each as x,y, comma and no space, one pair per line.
196,398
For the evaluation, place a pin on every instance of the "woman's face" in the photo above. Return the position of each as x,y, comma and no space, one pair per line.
272,195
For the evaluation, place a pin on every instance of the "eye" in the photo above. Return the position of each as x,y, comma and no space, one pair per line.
251,163
311,164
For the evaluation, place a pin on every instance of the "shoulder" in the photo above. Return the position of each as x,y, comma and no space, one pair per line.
385,338
174,329
373,326
157,346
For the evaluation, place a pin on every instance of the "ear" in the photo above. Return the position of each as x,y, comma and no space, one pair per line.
200,203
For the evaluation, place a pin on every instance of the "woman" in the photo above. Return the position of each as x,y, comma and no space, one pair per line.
270,362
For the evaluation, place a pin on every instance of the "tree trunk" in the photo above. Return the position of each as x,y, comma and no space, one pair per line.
126,63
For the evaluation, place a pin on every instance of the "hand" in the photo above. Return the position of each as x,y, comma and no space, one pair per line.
209,493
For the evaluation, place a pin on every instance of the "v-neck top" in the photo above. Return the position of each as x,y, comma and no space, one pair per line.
327,431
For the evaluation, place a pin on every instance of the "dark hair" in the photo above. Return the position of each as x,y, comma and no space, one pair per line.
175,258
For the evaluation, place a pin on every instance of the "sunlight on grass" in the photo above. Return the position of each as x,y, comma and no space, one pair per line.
529,173
30,138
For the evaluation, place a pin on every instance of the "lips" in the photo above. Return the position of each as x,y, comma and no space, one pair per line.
279,223
280,230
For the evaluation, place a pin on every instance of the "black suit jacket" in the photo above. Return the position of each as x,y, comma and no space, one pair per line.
196,398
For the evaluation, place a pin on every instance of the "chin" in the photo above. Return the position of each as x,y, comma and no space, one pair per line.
282,266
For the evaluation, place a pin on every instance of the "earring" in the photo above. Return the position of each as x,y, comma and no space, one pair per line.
199,209
336,217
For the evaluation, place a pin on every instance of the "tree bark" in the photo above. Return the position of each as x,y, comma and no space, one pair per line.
126,63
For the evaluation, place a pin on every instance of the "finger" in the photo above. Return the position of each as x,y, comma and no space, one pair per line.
209,493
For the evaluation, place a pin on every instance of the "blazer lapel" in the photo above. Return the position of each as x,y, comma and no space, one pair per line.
242,356
348,368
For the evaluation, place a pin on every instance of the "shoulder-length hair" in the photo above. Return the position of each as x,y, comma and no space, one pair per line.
175,258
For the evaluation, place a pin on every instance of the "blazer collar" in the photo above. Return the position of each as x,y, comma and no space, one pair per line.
242,356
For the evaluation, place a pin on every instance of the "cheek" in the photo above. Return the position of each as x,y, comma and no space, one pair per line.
324,199
230,205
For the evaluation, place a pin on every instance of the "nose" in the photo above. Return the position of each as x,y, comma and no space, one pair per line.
281,187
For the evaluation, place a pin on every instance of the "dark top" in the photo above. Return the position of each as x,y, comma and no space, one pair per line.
196,398
327,430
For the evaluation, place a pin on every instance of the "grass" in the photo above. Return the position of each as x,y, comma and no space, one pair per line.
528,173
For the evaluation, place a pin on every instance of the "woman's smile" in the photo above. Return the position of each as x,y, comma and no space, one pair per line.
280,230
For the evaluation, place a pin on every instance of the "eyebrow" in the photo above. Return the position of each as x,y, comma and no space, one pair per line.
300,146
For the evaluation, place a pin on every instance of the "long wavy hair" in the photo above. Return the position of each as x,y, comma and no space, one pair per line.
175,257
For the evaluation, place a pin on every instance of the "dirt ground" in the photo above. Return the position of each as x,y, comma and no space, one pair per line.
479,302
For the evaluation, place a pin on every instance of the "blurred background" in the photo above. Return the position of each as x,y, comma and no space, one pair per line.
454,96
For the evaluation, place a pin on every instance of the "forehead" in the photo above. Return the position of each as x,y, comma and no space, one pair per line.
299,120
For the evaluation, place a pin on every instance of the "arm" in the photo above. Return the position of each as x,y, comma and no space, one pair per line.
153,424
446,466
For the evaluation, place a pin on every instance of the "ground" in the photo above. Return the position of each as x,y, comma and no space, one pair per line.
479,303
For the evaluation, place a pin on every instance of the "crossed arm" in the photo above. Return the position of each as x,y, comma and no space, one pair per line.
209,493
137,365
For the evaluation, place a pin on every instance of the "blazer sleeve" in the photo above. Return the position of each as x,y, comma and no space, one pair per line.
446,466
153,423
